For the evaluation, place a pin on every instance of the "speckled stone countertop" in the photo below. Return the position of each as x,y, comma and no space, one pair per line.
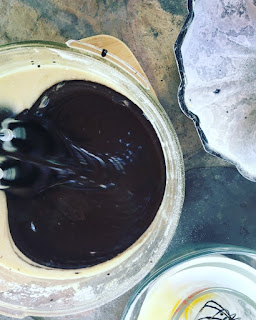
219,204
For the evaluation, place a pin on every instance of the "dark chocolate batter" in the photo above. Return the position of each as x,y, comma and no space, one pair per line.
99,176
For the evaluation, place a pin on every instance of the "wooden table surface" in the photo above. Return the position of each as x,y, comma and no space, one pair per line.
149,28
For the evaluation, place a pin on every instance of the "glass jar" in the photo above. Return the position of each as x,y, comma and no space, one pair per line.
214,282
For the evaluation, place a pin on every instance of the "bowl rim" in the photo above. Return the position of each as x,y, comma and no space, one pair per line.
182,87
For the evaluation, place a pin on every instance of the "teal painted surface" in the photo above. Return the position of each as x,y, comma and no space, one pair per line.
68,23
174,6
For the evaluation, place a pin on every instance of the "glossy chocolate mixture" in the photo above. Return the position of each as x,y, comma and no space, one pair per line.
99,177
